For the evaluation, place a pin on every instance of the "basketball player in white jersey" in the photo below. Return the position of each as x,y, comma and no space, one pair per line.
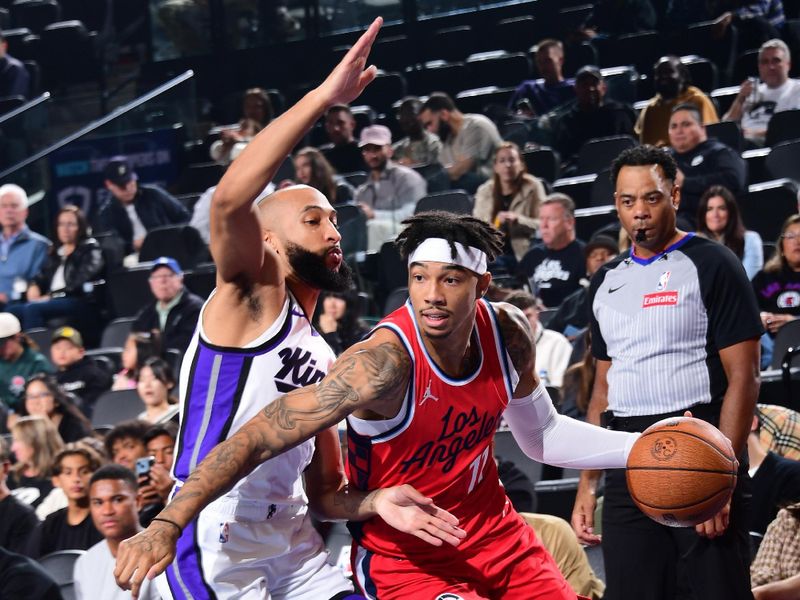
254,342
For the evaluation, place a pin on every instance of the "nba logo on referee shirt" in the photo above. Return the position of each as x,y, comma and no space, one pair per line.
663,281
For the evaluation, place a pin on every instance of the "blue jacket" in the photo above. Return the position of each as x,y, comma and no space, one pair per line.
25,259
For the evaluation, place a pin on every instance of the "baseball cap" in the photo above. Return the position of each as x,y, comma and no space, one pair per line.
119,171
601,241
68,333
9,325
378,135
589,71
166,261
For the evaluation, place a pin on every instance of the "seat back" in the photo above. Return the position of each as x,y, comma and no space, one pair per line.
41,336
454,201
395,300
784,126
727,132
784,160
596,154
116,406
129,291
61,565
181,242
116,333
435,176
35,14
787,337
767,205
543,163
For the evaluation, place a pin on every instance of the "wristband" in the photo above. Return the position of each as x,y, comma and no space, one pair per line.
179,528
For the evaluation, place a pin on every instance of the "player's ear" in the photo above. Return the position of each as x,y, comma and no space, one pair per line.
483,284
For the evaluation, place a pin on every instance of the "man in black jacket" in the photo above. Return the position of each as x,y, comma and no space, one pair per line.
134,209
175,309
77,373
702,162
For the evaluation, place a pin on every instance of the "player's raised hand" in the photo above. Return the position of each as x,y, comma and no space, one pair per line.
146,554
405,509
351,75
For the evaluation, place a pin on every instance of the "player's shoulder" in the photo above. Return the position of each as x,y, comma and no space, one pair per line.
516,333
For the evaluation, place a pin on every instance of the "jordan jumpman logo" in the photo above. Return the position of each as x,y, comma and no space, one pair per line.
427,395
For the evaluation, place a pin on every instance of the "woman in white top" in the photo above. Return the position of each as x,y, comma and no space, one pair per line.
155,384
718,219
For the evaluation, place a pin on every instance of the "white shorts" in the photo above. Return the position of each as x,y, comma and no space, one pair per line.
279,558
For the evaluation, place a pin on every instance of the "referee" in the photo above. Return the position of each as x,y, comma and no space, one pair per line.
675,327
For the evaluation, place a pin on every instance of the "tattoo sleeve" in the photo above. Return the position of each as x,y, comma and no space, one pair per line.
517,336
364,377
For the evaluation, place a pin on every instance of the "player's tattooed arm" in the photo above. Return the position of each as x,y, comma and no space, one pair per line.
518,337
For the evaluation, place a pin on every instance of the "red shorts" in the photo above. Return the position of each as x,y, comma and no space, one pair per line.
524,570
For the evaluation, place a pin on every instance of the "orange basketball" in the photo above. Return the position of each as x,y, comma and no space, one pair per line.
681,471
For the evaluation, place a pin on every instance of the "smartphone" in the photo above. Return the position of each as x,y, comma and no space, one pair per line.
143,466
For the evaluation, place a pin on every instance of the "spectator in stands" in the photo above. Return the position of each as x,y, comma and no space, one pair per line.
419,147
468,141
391,191
134,209
155,487
35,443
592,116
702,162
257,112
156,385
64,286
77,373
71,527
22,251
125,443
45,398
756,21
17,520
777,285
671,81
718,218
339,322
535,97
780,430
755,103
139,346
312,168
14,77
19,359
612,18
556,265
342,151
576,390
775,572
572,316
776,481
510,201
22,577
112,501
175,309
552,349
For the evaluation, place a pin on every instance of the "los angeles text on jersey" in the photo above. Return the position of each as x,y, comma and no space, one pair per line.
460,432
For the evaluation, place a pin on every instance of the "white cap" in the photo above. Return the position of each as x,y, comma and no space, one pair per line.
9,325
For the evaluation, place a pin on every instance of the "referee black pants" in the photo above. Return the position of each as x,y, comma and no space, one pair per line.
648,561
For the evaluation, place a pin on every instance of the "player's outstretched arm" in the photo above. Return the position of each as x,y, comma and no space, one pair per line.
332,498
365,376
236,236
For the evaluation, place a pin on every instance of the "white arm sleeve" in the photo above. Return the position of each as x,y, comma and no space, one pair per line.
548,437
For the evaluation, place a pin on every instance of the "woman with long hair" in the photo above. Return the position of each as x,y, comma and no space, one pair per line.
44,397
339,320
312,168
35,443
777,285
156,387
510,199
139,346
63,288
719,219
257,112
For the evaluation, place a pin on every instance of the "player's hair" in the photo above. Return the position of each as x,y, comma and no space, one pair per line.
523,300
778,261
128,429
168,429
439,101
115,472
562,200
644,156
777,44
690,108
77,449
464,229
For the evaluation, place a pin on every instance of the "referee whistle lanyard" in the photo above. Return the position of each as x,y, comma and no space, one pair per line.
663,253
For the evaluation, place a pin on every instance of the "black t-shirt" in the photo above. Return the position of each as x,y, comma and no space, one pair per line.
554,274
17,524
57,534
778,292
30,490
86,380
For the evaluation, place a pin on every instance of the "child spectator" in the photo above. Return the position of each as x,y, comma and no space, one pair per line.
155,386
77,373
125,443
71,527
138,348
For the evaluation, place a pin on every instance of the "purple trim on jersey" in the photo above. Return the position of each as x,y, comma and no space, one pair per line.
647,261
187,557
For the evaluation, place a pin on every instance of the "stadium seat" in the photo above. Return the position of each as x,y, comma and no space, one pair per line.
483,100
498,67
454,201
621,82
392,272
9,103
116,333
353,228
515,34
115,406
435,175
724,97
767,205
699,39
60,566
543,163
67,55
129,291
602,189
5,19
395,300
356,178
197,178
590,220
285,171
437,76
107,358
787,337
641,50
181,242
784,160
576,56
391,53
579,188
784,126
727,132
364,116
507,449
450,43
35,14
756,161
703,72
202,279
385,89
515,131
596,155
556,497
41,336
746,65
16,39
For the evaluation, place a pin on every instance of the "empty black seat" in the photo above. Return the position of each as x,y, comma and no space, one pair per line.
543,162
784,160
35,14
702,71
181,242
590,220
641,50
116,406
579,188
129,291
202,279
436,177
450,43
784,126
68,54
383,91
727,132
596,154
767,205
516,34
454,201
482,100
437,76
498,68
746,65
116,333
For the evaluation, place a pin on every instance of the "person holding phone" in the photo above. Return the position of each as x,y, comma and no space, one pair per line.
153,470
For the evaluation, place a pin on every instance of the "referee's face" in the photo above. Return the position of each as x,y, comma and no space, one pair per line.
646,204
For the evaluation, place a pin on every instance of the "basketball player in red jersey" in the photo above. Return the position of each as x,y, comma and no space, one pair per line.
423,396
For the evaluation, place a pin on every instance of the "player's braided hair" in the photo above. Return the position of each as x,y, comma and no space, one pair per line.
452,227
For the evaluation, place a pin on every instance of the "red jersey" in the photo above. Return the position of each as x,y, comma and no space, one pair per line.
440,442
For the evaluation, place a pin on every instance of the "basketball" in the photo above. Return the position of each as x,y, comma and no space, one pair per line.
681,471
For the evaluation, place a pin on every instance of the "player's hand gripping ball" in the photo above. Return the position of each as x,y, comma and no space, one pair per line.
681,471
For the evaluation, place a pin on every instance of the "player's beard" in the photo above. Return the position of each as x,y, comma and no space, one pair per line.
311,268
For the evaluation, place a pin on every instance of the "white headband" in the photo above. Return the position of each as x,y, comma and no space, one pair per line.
439,250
